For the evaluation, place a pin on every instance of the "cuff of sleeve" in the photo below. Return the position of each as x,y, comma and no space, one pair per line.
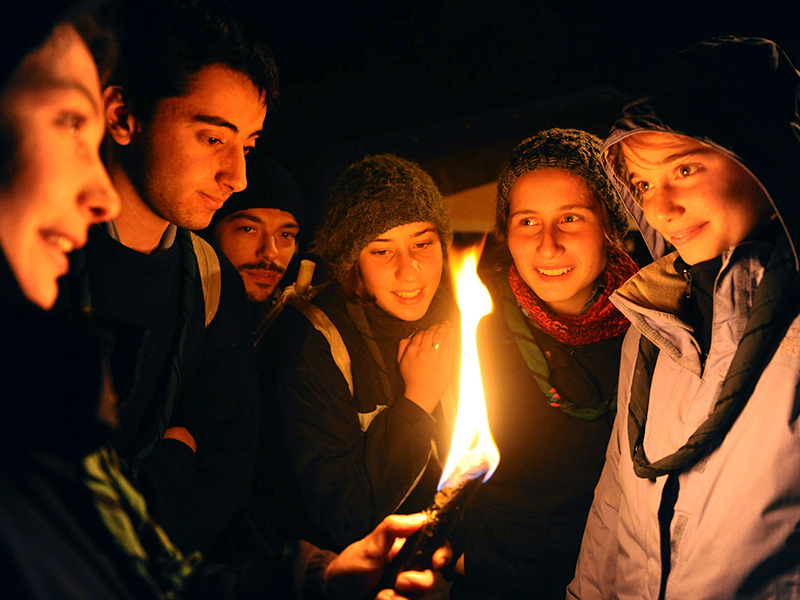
412,413
309,569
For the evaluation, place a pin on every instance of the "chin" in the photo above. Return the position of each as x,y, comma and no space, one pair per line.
193,222
406,314
41,296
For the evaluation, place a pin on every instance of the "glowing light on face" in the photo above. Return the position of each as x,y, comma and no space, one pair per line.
472,441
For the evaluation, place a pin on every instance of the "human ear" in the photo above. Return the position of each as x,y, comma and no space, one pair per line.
120,122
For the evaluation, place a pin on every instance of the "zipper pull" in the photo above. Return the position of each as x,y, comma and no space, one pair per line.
687,275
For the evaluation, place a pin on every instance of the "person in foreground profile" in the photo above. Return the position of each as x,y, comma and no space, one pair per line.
67,516
549,358
700,494
71,525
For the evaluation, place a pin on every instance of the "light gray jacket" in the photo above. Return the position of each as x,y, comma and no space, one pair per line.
735,532
737,508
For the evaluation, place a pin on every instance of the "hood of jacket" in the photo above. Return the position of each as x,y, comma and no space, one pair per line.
738,95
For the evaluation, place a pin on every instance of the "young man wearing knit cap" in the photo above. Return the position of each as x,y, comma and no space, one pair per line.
257,228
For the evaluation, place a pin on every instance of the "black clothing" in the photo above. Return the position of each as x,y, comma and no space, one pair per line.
192,495
522,533
698,306
349,479
52,541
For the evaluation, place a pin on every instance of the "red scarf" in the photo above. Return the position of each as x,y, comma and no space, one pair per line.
601,322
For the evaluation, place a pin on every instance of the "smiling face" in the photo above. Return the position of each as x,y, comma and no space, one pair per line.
59,186
556,237
195,145
701,200
259,242
402,269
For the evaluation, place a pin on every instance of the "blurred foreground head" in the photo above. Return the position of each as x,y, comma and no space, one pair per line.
53,185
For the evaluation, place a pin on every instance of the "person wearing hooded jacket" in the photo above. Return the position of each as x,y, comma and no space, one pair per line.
365,448
549,358
700,494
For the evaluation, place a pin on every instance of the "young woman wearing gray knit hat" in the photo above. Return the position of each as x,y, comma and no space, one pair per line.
550,357
365,432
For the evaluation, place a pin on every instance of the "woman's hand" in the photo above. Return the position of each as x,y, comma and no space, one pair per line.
358,569
426,362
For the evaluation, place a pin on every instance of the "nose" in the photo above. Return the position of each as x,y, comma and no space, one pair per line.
99,198
549,243
267,247
232,173
662,205
407,268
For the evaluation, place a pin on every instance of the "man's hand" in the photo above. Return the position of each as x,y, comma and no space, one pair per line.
358,569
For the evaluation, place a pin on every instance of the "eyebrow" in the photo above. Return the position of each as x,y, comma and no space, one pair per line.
685,154
44,82
676,156
254,219
529,211
417,234
220,122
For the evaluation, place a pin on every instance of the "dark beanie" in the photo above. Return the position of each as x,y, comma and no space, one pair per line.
572,150
269,185
374,195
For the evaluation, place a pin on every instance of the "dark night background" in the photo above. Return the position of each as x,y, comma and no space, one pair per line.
434,79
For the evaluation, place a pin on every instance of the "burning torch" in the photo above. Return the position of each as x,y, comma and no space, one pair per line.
473,456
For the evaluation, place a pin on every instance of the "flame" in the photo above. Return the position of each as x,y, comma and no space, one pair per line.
472,441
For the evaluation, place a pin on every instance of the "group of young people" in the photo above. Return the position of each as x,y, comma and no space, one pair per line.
646,419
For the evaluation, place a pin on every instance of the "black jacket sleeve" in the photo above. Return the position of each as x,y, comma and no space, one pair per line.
350,479
218,405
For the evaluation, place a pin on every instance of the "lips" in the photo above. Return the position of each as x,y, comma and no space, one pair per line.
553,272
685,234
410,295
63,243
213,202
262,276
59,245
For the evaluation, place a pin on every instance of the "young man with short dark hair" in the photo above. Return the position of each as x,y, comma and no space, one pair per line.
184,106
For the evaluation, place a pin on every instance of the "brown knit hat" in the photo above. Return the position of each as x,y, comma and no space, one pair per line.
373,196
573,150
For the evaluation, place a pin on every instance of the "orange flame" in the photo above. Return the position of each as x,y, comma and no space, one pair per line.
472,440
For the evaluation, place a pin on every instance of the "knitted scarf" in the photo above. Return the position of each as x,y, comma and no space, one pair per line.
601,321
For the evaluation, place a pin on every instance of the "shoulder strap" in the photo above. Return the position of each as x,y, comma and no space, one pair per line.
537,364
325,326
210,275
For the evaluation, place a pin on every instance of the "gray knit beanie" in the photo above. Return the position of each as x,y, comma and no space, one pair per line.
572,150
374,195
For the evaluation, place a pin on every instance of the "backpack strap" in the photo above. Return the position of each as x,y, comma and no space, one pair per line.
210,275
325,326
